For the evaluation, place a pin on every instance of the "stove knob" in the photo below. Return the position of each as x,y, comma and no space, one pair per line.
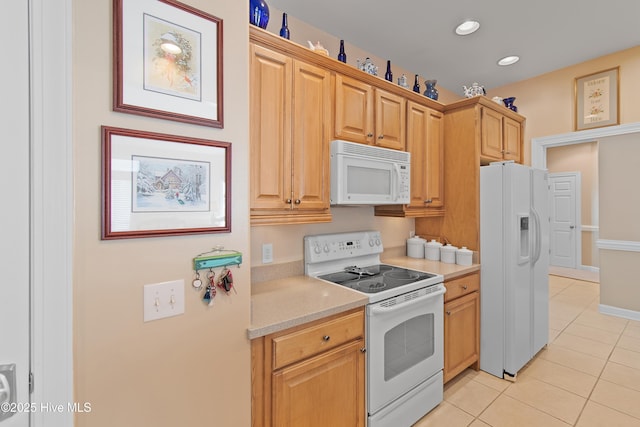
317,249
326,248
371,242
377,242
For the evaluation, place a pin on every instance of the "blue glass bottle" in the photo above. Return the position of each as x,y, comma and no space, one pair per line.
259,13
284,31
416,85
342,57
388,76
431,91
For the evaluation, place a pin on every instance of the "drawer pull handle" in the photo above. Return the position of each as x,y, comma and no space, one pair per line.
369,135
326,338
448,313
464,287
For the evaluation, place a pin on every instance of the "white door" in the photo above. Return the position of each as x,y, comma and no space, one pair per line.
14,220
563,215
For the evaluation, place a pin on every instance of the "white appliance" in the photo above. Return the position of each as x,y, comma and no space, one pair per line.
404,324
367,175
514,258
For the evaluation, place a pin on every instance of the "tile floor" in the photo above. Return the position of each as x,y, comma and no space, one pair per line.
588,375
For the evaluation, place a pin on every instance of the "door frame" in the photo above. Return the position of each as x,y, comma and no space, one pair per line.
51,66
578,211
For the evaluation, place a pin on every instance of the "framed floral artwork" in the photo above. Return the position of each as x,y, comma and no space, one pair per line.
597,101
162,185
167,61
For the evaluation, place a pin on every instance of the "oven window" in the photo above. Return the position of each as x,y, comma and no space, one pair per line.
408,344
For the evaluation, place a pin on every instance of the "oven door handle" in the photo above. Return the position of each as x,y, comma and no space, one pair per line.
388,309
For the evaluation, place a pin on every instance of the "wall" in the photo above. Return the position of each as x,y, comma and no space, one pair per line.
619,175
193,369
582,158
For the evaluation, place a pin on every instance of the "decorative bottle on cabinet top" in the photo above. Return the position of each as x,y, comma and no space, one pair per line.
259,13
416,85
284,31
431,91
342,57
388,75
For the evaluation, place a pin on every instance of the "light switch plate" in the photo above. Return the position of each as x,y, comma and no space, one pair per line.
267,253
164,299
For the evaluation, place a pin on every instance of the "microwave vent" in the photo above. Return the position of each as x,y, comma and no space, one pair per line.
344,147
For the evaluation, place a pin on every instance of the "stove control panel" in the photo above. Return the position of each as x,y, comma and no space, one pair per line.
339,246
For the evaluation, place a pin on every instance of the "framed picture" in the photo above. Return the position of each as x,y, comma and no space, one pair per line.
163,185
167,61
597,101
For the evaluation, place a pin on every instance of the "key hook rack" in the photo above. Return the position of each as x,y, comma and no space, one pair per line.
218,257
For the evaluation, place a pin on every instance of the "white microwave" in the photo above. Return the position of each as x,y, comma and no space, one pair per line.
367,175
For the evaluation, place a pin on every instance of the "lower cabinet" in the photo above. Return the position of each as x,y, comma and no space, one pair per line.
311,375
461,325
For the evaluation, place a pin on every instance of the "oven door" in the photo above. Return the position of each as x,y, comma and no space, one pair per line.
404,344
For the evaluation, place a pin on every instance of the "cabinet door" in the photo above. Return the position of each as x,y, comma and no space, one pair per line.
435,159
461,334
311,133
417,137
512,140
270,115
326,390
353,110
491,142
390,122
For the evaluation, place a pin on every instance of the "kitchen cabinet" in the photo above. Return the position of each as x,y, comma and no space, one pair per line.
311,375
368,115
476,131
461,325
425,142
290,115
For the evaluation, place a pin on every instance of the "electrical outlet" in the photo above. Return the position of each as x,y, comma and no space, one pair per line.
164,299
267,253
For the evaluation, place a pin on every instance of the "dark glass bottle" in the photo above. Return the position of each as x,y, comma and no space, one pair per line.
416,85
388,75
342,57
284,31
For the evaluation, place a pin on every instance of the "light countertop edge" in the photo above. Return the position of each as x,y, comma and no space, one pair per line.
280,304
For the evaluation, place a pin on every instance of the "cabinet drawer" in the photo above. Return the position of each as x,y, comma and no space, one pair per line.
310,341
461,286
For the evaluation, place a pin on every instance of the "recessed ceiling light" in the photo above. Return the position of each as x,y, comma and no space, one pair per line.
509,60
467,27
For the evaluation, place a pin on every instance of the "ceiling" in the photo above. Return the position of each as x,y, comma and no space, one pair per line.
419,36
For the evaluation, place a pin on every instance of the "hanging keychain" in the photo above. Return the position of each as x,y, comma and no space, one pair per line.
197,283
210,292
225,281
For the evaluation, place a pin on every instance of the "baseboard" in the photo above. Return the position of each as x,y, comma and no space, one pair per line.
619,312
589,268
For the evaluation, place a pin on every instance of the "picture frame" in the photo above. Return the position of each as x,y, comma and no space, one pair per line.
167,59
156,184
597,99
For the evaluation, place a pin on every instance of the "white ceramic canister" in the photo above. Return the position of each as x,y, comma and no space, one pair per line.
432,250
448,253
464,256
415,247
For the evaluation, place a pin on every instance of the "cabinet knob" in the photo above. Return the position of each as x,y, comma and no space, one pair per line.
297,202
288,201
464,287
369,135
363,350
448,313
380,136
326,338
428,201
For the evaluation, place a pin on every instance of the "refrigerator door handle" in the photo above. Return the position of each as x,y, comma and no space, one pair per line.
538,237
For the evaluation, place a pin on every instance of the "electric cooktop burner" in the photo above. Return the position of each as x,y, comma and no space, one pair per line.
375,278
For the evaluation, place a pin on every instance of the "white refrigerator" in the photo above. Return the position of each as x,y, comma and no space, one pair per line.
514,258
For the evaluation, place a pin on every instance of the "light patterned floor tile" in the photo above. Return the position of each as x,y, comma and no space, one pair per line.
596,415
602,321
617,397
560,376
552,400
622,375
632,330
473,398
553,334
478,423
584,345
445,414
490,381
573,359
625,357
558,323
506,411
599,335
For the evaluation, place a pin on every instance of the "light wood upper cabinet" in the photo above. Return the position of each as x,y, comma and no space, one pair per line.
425,142
290,130
501,136
368,115
512,139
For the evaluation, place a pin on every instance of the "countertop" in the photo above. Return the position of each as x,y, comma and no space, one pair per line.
281,304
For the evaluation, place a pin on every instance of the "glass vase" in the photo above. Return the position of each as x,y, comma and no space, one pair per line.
259,13
431,91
